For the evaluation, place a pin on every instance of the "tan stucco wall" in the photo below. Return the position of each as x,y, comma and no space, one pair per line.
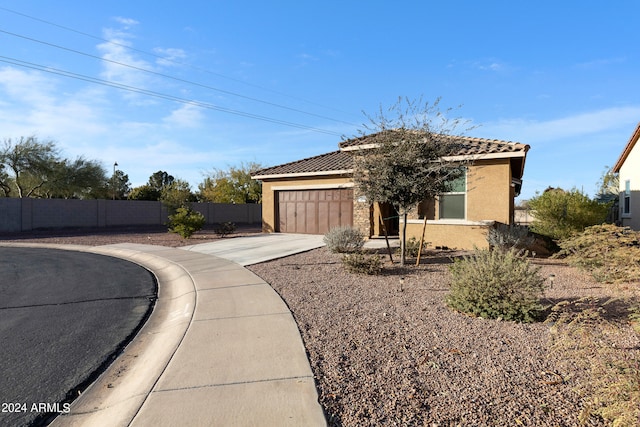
489,191
453,236
270,187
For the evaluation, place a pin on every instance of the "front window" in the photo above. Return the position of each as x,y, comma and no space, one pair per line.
452,203
626,203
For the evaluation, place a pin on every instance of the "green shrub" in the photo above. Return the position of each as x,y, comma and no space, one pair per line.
225,228
496,284
610,253
558,213
505,237
413,246
185,222
362,264
344,239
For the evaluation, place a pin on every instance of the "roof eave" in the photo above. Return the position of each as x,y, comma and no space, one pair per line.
302,174
627,149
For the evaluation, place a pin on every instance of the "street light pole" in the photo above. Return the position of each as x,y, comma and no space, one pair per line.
113,180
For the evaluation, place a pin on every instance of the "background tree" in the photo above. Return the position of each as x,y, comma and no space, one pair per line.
608,192
119,185
177,195
232,186
30,162
152,190
558,213
406,165
77,179
5,181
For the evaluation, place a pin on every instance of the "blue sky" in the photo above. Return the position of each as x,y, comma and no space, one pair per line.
221,82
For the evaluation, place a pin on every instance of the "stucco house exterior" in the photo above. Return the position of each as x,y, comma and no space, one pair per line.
628,169
315,194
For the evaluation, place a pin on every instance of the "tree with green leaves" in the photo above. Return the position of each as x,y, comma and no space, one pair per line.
119,185
177,195
152,190
558,213
31,163
31,168
404,161
232,186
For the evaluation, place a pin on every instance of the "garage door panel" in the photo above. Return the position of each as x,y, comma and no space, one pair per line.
314,211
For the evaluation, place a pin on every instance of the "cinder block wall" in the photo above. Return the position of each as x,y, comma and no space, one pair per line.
30,214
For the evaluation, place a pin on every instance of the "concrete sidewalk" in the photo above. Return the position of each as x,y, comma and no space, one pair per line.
220,349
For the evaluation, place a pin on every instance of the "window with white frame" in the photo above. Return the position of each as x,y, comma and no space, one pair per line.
626,202
452,203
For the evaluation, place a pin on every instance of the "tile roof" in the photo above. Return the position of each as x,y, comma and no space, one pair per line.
337,162
468,145
334,162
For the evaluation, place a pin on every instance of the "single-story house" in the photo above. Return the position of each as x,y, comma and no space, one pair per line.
628,169
315,194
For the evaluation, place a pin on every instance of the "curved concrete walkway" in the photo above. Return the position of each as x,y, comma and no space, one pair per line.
221,348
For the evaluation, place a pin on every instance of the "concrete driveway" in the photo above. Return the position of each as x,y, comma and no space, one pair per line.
259,248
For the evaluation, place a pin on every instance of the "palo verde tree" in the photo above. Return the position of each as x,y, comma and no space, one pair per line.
31,168
403,157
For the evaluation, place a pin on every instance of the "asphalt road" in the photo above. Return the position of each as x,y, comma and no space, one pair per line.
64,316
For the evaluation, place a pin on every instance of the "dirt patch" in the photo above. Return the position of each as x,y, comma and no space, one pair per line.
152,235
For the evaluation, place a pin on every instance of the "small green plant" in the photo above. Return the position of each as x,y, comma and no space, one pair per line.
225,229
413,247
362,264
610,253
185,222
505,237
496,284
344,239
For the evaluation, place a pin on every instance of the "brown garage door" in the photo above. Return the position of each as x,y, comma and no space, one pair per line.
314,211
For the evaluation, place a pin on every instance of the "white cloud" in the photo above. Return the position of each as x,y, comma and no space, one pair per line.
574,126
170,56
187,116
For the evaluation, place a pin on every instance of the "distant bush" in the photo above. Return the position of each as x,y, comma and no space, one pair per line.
344,239
610,253
362,264
185,222
559,213
505,237
225,228
496,284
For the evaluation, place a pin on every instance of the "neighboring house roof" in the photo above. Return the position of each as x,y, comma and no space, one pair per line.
341,162
627,149
334,163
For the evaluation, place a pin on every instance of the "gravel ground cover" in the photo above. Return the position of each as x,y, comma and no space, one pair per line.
386,351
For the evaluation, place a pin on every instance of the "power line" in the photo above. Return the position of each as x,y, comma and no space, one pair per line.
147,92
184,64
133,67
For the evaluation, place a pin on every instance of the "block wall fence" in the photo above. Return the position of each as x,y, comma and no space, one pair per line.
32,214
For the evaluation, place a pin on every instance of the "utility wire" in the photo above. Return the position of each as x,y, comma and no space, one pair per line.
134,89
184,64
170,77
